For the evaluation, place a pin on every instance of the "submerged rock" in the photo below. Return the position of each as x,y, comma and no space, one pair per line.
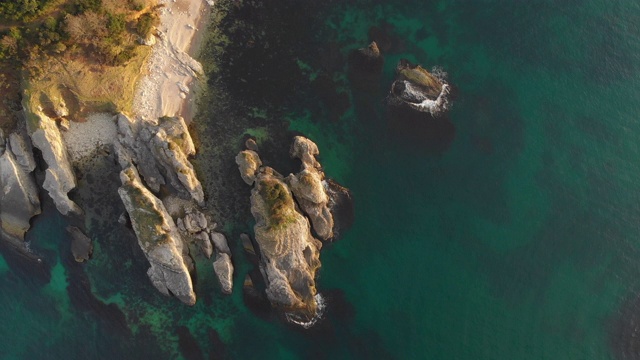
420,89
158,238
223,268
81,245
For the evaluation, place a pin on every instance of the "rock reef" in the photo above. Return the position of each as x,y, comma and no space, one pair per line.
158,238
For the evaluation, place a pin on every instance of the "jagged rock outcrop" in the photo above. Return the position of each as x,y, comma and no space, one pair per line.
420,89
223,268
308,187
220,242
59,177
248,162
19,200
289,253
160,153
158,238
81,245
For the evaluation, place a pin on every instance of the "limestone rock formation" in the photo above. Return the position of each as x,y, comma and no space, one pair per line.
19,200
81,246
248,162
59,176
223,268
289,253
160,153
158,238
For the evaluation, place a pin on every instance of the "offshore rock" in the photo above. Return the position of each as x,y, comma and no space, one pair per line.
289,253
223,268
367,60
420,89
251,144
158,238
248,162
59,176
309,189
19,200
81,246
160,153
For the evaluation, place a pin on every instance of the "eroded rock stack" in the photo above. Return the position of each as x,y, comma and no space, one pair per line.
289,252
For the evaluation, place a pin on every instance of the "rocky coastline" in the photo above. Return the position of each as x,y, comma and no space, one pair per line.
164,201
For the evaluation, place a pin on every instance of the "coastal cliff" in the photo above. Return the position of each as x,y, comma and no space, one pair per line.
19,200
59,176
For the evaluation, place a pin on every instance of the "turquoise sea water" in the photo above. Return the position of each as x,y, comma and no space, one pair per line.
508,230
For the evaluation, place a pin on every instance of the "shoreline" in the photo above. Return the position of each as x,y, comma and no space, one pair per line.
168,80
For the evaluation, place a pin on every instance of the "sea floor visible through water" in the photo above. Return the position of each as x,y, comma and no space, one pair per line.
505,230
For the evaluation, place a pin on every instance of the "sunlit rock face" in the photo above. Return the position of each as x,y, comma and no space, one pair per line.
290,254
160,152
59,177
158,238
19,200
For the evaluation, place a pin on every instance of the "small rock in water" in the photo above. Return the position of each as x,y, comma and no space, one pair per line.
224,271
220,242
81,246
251,144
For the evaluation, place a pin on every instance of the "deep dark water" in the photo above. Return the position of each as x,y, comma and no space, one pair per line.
505,230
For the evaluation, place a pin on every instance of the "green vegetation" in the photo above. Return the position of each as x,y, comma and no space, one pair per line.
90,47
19,10
146,22
278,201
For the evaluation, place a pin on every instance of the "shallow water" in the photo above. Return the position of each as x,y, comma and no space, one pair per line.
506,231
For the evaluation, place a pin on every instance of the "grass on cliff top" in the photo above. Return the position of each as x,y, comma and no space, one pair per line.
85,52
278,202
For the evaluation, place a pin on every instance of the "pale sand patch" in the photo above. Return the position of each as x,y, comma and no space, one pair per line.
170,69
83,138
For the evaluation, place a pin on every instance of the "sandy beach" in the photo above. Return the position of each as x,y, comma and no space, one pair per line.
166,86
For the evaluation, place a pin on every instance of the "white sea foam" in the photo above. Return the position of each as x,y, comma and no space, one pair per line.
292,318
